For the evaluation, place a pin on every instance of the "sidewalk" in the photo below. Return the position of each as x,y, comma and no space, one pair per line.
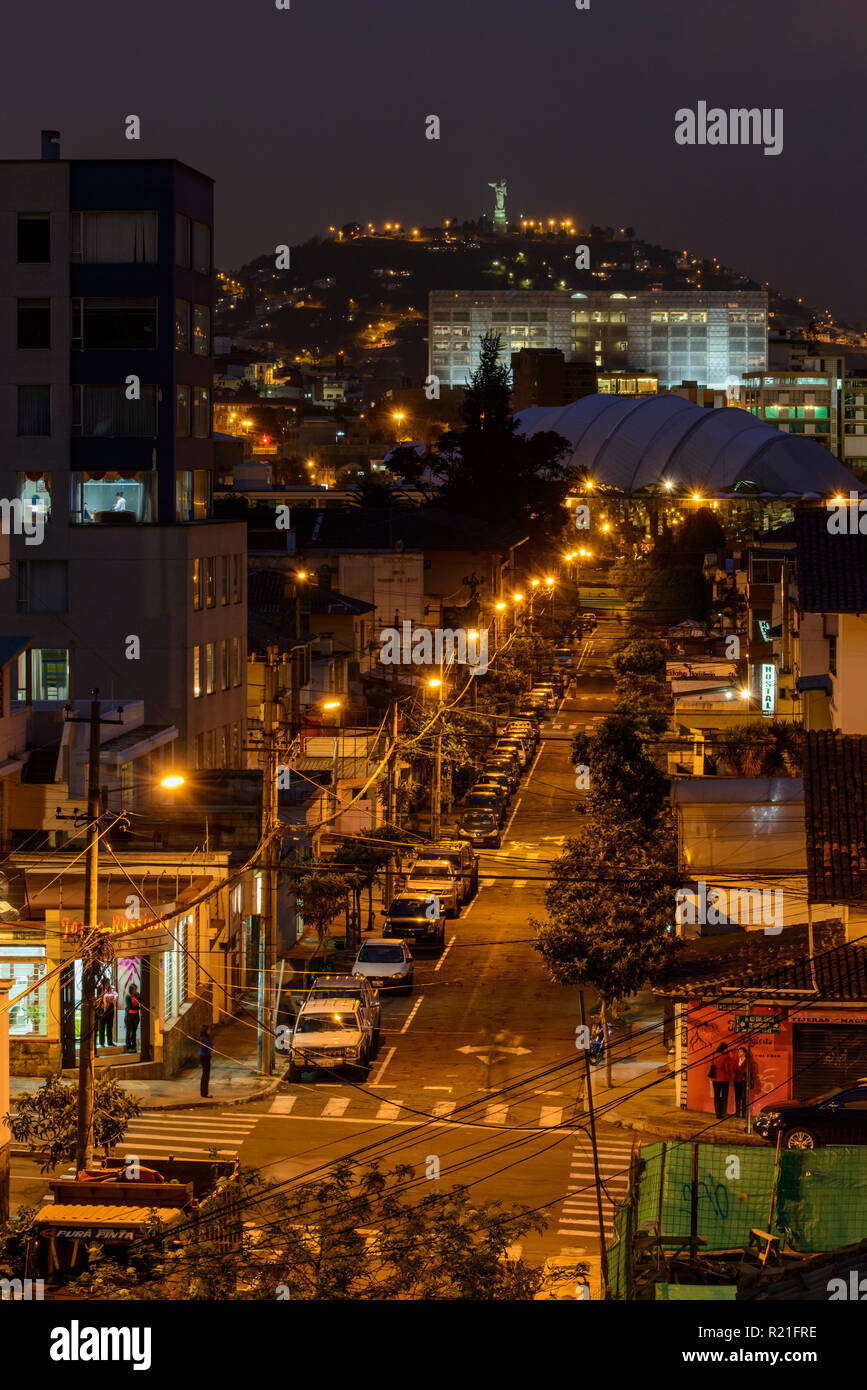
643,1096
234,1077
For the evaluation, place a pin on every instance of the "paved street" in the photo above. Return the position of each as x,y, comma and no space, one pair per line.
477,1067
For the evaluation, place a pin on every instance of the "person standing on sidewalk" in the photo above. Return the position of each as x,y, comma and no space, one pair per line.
105,1011
206,1048
720,1073
131,1017
744,1078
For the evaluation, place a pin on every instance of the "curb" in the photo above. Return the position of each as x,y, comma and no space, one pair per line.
670,1129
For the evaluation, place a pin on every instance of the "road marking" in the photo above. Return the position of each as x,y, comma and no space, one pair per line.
487,883
412,1013
439,964
337,1106
551,1116
389,1110
282,1105
496,1114
437,1088
535,854
519,883
515,810
388,1057
443,1109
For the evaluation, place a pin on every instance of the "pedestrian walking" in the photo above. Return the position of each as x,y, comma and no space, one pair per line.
720,1073
106,1010
206,1049
132,1015
744,1079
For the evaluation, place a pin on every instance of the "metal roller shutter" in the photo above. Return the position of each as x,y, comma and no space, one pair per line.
825,1056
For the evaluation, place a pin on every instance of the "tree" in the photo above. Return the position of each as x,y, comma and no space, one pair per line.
355,1232
610,903
773,748
322,896
644,656
488,469
673,596
47,1120
625,782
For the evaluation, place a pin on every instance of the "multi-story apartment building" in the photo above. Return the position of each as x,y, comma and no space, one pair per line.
125,582
800,400
854,413
711,337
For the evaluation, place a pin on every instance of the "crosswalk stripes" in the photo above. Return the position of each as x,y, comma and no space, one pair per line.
167,1134
579,1216
313,1103
337,1106
443,1109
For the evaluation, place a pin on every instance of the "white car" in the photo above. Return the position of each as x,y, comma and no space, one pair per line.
436,878
386,963
330,1034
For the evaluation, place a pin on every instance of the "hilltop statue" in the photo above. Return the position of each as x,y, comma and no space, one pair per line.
500,190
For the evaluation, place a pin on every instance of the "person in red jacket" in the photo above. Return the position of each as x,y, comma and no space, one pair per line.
720,1073
744,1070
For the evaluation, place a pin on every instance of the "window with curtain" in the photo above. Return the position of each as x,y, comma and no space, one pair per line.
34,410
104,412
201,412
197,672
224,665
210,582
201,330
197,585
236,661
224,746
224,580
184,496
114,325
34,490
210,670
98,498
236,745
183,417
202,486
182,325
118,238
236,579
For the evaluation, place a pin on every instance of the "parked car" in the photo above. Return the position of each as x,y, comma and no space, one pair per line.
491,778
436,876
460,855
488,800
332,1034
386,964
508,767
516,744
564,655
524,728
589,621
409,918
837,1117
348,987
480,828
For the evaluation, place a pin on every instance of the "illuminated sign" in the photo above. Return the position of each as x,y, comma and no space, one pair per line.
769,688
120,925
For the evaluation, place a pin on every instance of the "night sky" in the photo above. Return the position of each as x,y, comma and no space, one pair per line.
315,115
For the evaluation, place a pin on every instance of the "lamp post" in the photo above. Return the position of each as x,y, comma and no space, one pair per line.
436,786
335,705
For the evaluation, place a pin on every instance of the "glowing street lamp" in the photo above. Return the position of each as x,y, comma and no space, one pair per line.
172,781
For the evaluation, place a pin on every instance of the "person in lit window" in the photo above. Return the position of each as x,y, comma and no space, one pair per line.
87,514
120,503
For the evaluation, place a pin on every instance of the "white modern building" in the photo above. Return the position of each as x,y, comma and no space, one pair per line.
710,337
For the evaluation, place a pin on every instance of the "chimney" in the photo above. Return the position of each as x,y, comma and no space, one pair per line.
51,144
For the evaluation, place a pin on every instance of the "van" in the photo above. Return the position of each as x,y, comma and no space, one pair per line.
464,859
435,878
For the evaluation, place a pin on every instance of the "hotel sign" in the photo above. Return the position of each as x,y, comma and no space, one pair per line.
769,687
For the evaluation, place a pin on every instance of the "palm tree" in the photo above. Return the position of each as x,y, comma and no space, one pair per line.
770,749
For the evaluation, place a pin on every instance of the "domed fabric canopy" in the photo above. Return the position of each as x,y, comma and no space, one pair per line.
633,444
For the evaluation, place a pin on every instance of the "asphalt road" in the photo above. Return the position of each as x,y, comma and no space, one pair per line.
478,1068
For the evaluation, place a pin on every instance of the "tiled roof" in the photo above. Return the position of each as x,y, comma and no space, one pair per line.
751,960
832,569
329,601
266,592
835,810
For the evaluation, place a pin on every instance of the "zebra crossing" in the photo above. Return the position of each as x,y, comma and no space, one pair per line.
312,1104
167,1134
579,1215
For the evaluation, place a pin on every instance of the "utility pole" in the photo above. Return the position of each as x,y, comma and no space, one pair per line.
603,1253
436,788
270,860
93,941
391,798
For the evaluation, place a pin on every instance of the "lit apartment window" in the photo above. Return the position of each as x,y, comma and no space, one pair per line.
698,315
236,745
224,664
201,412
34,323
182,325
197,672
224,580
197,584
34,490
210,582
659,316
236,579
116,499
237,671
49,673
210,671
201,330
34,410
225,746
34,238
202,487
183,406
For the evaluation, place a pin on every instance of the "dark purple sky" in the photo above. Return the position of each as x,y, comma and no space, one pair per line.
315,115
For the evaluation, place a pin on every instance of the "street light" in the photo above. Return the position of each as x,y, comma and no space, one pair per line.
172,781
